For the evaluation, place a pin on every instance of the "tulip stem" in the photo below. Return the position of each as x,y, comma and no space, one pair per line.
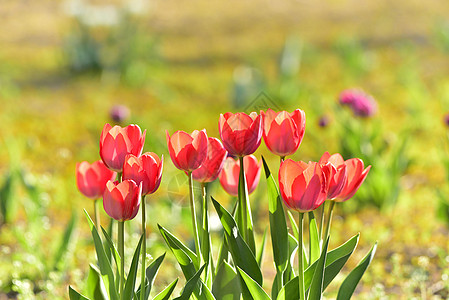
322,220
302,293
144,250
205,239
97,213
246,225
194,223
329,220
121,251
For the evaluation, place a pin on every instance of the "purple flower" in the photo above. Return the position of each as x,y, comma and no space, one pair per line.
362,104
119,113
323,121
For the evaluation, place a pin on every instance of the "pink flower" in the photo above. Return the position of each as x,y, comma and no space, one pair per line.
362,104
283,131
356,174
91,178
117,142
213,163
121,201
145,169
187,151
229,175
241,133
303,186
337,178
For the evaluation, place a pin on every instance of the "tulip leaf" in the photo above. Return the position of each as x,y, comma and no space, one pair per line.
105,265
67,236
241,253
166,293
111,248
261,251
316,287
290,290
255,290
95,287
226,284
223,252
183,254
74,295
278,224
348,286
130,283
191,285
335,261
150,274
314,240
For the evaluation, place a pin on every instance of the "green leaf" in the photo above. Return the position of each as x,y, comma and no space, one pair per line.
166,293
335,261
223,252
293,224
244,198
95,287
190,285
130,283
105,265
313,239
240,251
278,224
74,295
290,290
62,249
256,291
183,254
348,286
226,285
150,274
316,287
111,248
261,251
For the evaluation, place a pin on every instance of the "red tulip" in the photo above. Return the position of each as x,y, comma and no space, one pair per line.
338,177
145,169
91,178
117,142
187,151
303,186
283,131
229,175
213,163
240,133
121,201
356,174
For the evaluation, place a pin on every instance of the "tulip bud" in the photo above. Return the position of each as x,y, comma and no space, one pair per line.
229,175
187,151
91,178
121,201
361,104
145,169
213,163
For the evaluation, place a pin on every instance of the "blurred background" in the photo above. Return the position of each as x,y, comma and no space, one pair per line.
69,67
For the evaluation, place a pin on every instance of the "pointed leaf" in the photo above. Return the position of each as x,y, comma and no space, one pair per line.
261,251
103,262
256,291
348,286
316,287
166,293
240,251
313,239
191,285
74,295
95,287
278,224
226,285
130,283
150,274
111,248
290,290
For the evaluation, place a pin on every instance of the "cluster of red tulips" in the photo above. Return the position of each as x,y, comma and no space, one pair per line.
124,175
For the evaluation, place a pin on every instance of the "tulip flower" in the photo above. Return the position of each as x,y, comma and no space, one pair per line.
213,163
91,178
283,131
356,174
117,142
303,186
241,133
145,169
338,177
121,201
229,175
361,104
187,151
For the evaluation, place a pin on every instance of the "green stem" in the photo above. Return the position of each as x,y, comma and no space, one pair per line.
302,293
121,251
282,158
322,220
329,220
242,200
194,223
206,226
97,213
144,250
119,176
